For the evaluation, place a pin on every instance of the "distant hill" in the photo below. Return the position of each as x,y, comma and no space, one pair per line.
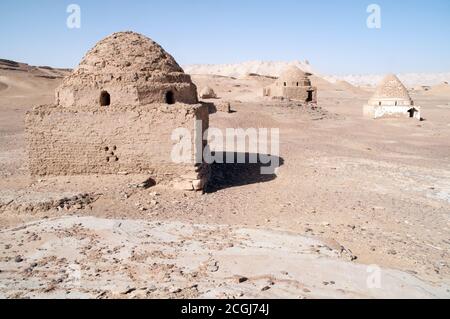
273,69
442,89
37,71
240,70
411,80
24,84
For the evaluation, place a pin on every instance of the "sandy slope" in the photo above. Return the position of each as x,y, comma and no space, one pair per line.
23,86
20,80
439,90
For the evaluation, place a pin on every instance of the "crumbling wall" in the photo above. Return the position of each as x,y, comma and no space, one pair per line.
62,141
298,93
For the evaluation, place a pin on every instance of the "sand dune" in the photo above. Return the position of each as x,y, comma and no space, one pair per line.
18,80
442,89
340,87
38,71
345,86
21,87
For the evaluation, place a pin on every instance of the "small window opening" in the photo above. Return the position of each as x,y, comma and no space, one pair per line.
297,83
105,98
170,98
285,84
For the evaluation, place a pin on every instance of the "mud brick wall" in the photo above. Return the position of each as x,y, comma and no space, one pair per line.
299,93
66,142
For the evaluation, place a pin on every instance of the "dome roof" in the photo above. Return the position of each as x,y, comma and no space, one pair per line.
293,73
130,62
207,89
292,76
391,88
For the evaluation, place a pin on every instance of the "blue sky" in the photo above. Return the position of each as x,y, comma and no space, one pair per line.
331,34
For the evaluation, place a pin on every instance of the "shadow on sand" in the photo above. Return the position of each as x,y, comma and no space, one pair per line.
225,175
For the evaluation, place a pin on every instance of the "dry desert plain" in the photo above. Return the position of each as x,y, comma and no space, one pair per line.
353,198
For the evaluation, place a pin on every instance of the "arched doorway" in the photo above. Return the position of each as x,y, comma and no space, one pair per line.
170,97
310,96
105,98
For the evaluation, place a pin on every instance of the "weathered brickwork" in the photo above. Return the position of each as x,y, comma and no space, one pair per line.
293,84
117,114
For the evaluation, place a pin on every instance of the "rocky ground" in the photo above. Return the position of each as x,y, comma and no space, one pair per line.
88,257
348,193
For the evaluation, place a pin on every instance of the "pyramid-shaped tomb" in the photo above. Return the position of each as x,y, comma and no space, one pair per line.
391,91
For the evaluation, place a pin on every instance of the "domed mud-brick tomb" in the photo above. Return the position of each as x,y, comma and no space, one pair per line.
293,84
116,113
207,93
391,99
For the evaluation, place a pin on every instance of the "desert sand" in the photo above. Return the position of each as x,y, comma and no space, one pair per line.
349,193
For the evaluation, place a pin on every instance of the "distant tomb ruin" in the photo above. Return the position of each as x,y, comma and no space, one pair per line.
207,93
293,84
391,99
